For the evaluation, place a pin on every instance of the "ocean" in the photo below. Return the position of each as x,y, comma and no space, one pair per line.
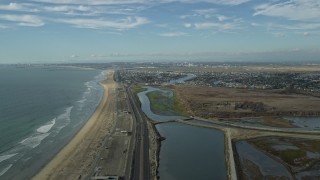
41,109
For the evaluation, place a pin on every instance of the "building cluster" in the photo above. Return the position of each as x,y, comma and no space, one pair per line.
148,77
233,75
259,80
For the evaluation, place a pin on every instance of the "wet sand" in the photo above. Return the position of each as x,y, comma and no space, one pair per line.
77,159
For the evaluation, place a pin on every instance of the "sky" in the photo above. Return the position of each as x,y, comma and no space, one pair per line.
69,31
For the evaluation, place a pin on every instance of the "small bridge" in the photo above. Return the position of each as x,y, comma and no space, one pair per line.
175,120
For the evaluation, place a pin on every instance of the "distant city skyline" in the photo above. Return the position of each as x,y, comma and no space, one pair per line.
69,31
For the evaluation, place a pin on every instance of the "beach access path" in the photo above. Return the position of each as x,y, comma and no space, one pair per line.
76,159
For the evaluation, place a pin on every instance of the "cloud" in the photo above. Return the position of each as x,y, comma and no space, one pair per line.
279,34
255,24
27,7
207,13
297,26
24,20
311,33
68,8
92,2
221,2
75,10
4,26
222,18
122,24
74,56
113,2
293,9
187,25
11,6
213,25
162,25
173,34
90,10
220,26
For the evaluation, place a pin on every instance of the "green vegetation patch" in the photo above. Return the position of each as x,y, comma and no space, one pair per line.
165,103
178,107
315,146
159,101
309,145
138,89
277,122
291,155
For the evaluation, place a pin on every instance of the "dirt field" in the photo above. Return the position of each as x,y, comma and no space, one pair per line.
209,102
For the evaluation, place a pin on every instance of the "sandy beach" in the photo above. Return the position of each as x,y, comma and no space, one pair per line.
77,159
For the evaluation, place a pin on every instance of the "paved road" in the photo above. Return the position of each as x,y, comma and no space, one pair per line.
232,166
141,167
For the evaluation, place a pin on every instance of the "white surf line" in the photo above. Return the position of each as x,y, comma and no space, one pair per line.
5,169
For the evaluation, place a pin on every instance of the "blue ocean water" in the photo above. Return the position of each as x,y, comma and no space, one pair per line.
41,109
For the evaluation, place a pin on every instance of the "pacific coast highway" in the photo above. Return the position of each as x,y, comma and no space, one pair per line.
141,166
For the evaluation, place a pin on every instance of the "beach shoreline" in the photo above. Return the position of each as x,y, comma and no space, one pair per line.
76,159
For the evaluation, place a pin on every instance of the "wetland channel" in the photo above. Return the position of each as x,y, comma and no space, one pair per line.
188,152
191,152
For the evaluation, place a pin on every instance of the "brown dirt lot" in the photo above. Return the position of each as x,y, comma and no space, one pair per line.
230,102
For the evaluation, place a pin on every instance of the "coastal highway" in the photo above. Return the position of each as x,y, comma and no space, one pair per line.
141,167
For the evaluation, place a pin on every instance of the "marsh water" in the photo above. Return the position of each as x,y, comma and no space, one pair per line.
188,152
266,165
300,123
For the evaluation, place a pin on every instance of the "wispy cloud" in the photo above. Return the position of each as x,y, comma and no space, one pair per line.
173,34
311,33
11,6
204,13
279,34
222,18
80,13
74,10
218,25
293,9
188,25
4,26
74,56
162,25
223,26
92,2
91,10
296,26
24,20
26,7
207,13
68,8
211,19
223,2
112,2
122,24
